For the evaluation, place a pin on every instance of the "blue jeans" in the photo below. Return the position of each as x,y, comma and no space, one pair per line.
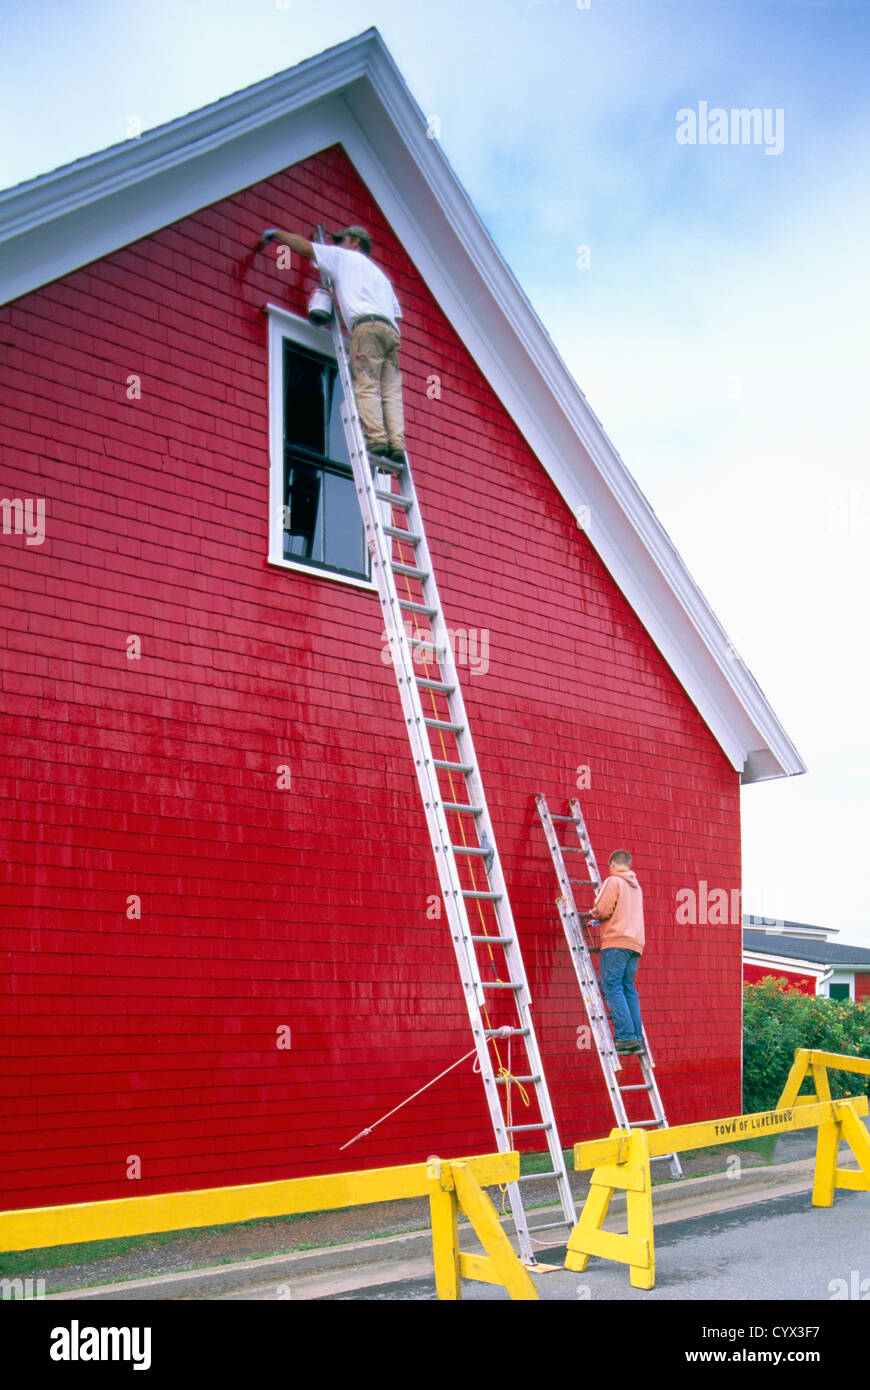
618,969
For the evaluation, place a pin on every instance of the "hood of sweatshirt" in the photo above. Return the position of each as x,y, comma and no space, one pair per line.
628,876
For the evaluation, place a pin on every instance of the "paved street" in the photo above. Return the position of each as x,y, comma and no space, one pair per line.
781,1249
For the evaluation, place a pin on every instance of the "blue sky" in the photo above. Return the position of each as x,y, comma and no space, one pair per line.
718,331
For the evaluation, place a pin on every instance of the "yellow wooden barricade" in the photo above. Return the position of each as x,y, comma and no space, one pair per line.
451,1185
828,1177
622,1162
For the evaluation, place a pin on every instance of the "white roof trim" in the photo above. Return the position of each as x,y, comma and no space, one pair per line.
355,96
787,964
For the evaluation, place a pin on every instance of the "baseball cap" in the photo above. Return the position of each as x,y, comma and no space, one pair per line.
365,240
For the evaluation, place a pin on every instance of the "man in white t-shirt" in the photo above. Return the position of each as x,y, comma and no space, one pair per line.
371,312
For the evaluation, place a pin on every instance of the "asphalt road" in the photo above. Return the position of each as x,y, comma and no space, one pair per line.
782,1249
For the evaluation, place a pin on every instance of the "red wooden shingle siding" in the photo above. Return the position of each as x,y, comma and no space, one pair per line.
264,907
792,979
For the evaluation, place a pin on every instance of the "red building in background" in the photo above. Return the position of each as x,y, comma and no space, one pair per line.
803,958
222,952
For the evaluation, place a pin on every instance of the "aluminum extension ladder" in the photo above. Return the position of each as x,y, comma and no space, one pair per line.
574,924
469,869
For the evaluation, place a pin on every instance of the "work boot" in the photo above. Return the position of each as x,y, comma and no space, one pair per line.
380,451
628,1046
397,455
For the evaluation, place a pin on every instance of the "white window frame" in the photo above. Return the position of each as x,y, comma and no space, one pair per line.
284,325
841,977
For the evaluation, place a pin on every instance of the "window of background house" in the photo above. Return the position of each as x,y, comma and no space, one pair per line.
839,992
322,526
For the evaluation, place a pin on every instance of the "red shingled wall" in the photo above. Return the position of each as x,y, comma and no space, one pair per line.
792,979
157,777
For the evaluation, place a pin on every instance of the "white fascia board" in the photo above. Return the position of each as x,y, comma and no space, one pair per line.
785,964
75,214
355,96
163,195
779,929
430,212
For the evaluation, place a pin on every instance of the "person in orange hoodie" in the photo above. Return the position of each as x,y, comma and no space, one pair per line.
619,908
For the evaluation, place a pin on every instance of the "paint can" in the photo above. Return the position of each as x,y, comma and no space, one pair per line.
320,307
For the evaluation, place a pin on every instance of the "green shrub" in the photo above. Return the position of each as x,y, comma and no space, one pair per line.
778,1020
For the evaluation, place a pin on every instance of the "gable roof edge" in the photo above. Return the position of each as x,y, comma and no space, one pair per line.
547,405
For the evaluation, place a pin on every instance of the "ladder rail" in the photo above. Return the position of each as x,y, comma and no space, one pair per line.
590,989
376,505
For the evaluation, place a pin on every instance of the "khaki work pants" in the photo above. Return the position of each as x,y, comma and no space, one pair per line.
377,383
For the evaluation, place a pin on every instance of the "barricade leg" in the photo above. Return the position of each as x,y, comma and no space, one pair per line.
592,1218
825,1174
856,1136
503,1265
637,1249
640,1214
795,1078
445,1245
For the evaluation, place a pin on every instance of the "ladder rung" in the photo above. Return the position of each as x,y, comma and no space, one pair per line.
655,1158
439,679
383,464
570,819
635,1124
409,570
533,1177
427,684
584,882
395,499
571,849
646,1087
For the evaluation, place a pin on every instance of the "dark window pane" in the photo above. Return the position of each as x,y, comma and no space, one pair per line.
322,521
303,506
303,401
839,992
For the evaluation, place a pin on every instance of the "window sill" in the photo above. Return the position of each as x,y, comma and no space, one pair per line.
315,573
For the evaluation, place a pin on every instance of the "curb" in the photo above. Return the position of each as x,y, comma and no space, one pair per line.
679,1200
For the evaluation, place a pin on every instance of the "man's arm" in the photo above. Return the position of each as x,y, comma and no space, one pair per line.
605,903
300,244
